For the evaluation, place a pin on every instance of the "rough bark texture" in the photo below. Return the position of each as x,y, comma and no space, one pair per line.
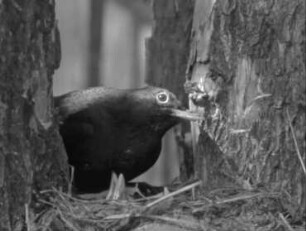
167,56
31,156
95,42
169,44
248,57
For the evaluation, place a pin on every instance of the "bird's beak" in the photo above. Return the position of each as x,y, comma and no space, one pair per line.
187,115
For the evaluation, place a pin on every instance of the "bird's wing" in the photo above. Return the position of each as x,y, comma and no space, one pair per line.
76,134
77,130
89,137
76,101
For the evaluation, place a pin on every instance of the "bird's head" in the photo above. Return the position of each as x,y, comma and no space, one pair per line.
159,107
150,107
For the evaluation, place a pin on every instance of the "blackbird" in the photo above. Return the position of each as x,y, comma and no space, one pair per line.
108,130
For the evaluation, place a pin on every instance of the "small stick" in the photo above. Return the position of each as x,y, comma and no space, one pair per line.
193,193
243,197
229,200
186,188
70,180
179,222
119,216
68,223
27,217
296,144
285,222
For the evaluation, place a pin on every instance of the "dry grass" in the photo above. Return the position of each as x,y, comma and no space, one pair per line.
222,209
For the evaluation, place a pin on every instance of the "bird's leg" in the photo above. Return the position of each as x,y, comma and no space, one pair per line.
120,188
112,186
117,187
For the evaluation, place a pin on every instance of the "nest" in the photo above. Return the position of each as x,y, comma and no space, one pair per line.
185,208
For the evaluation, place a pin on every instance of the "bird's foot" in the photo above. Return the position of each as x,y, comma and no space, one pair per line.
139,190
117,187
142,190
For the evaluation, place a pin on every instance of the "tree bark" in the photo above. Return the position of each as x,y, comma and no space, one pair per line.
31,151
169,44
167,58
95,42
247,60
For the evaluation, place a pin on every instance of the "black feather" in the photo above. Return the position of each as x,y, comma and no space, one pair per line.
107,130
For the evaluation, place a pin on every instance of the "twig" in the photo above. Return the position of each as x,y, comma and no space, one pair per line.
229,200
63,202
243,197
70,180
285,222
83,200
179,222
296,144
27,217
67,222
73,198
186,188
53,205
120,216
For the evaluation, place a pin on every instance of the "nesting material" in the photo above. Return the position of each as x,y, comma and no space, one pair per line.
222,209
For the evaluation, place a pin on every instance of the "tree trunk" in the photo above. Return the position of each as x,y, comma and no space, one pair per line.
167,58
31,151
247,61
95,42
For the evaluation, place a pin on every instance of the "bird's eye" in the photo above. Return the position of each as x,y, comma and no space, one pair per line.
162,97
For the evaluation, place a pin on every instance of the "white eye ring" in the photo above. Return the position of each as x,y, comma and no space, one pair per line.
162,97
